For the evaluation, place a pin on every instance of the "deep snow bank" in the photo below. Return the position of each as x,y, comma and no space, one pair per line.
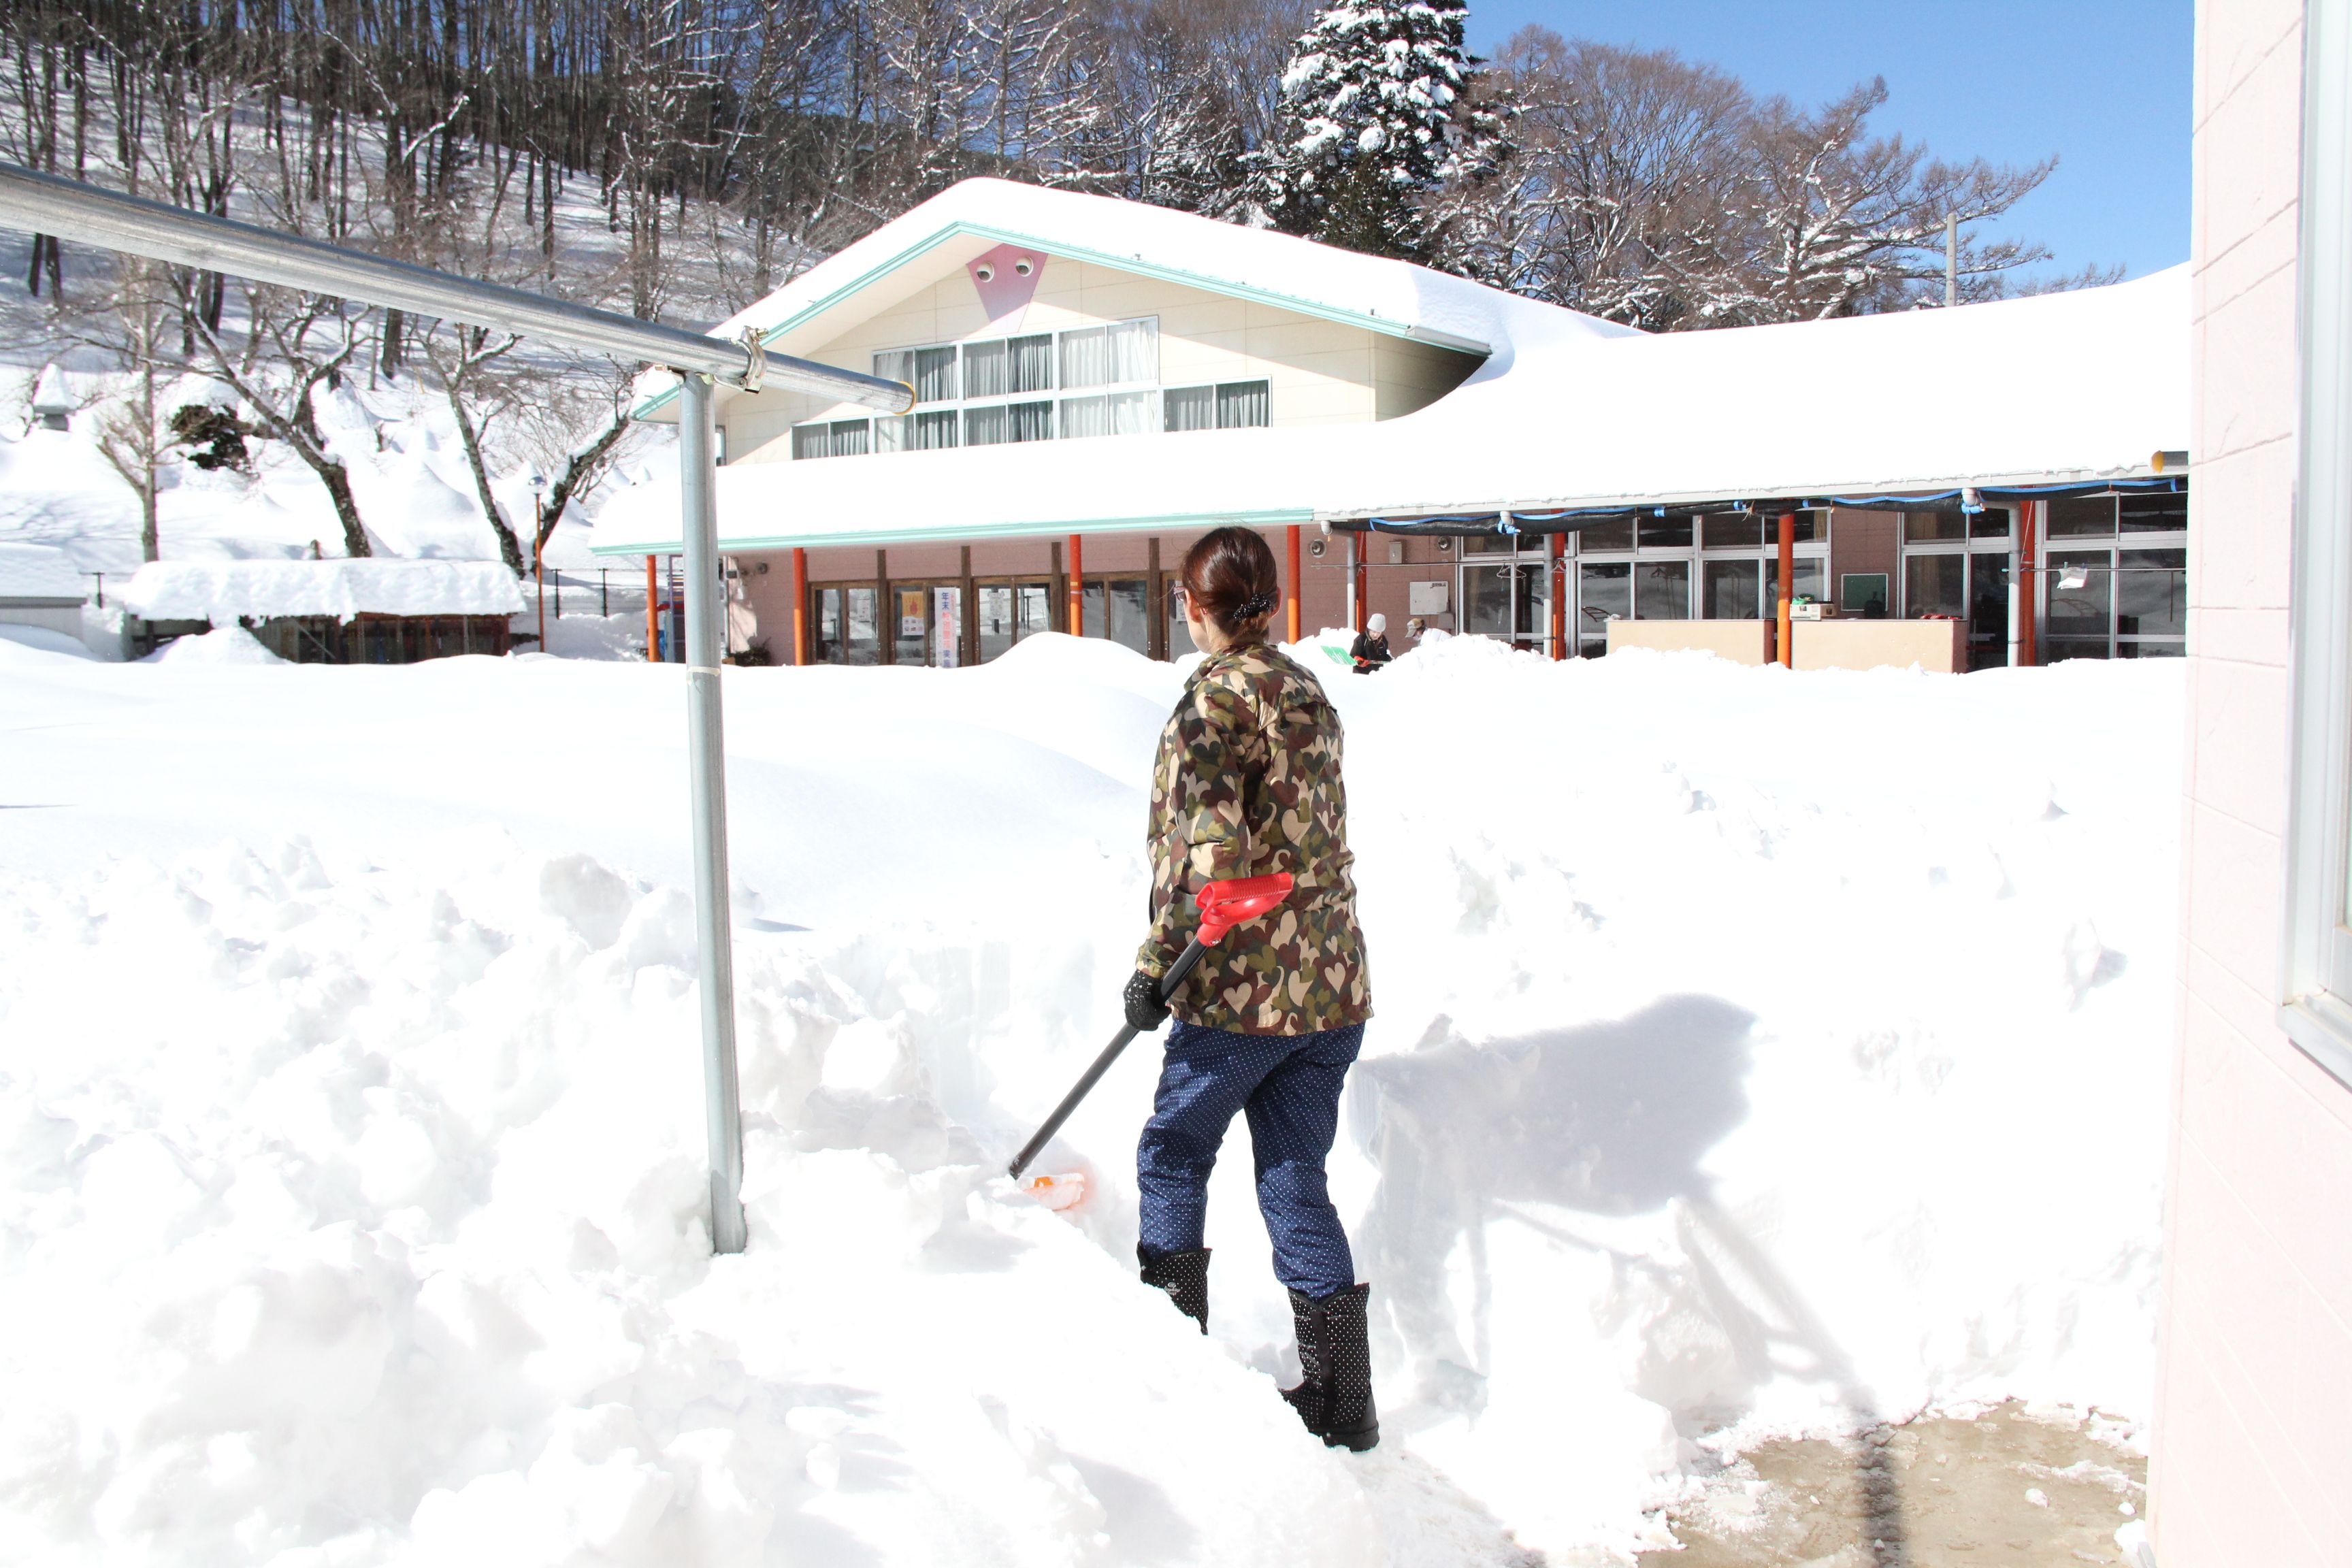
1755,1052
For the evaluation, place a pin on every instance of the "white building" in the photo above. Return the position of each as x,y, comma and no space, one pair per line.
41,587
1101,381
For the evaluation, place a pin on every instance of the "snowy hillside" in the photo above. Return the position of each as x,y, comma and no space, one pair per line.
1754,1053
409,474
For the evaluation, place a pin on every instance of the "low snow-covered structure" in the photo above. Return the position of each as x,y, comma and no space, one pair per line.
40,586
1536,473
335,611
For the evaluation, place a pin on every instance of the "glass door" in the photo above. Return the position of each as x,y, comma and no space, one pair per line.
1009,610
1506,589
847,630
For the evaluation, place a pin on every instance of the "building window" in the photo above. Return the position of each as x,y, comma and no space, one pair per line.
1715,566
835,439
2115,577
1115,365
1004,422
1231,406
1958,565
2316,988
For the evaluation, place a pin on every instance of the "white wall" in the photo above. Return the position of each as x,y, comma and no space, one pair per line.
2253,1446
1320,372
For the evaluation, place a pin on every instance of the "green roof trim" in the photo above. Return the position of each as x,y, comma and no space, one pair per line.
1369,320
937,533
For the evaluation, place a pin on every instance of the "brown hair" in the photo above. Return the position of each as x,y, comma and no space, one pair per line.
1229,573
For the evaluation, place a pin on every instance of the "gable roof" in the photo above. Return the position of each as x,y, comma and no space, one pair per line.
935,240
2062,388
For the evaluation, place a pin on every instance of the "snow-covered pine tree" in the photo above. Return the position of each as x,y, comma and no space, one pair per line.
1375,111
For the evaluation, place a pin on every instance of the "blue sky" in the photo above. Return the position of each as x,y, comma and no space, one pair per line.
2105,84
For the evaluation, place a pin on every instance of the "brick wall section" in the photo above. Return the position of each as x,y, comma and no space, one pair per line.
2253,1452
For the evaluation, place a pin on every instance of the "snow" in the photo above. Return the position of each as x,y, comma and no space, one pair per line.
221,591
1756,1052
39,571
39,645
228,645
1567,412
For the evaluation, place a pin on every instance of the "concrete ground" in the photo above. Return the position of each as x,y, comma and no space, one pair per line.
2003,1489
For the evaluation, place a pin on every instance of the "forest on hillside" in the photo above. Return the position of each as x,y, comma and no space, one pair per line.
678,159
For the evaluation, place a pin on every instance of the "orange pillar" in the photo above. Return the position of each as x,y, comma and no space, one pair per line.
1788,582
2028,515
1355,576
1078,589
1559,595
1293,550
800,607
653,614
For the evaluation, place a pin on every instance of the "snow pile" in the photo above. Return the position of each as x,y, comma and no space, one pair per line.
39,645
1756,1052
222,591
39,571
222,645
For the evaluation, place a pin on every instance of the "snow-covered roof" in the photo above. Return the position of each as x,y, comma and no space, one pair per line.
221,591
1564,411
934,240
49,395
41,573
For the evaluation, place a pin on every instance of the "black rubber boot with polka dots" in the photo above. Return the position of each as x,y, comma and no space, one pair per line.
1335,1397
1184,1276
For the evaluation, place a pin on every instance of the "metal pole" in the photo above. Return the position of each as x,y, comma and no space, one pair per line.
653,614
1951,259
707,757
1290,548
1786,651
45,204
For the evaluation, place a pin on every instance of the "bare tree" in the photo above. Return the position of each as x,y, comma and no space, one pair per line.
295,344
1846,224
133,322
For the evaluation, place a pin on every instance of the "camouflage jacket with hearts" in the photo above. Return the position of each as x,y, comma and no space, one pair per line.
1248,784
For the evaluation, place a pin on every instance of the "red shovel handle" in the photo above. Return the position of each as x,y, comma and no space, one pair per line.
1225,905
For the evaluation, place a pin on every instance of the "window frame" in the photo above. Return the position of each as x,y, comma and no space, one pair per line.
1053,394
2316,981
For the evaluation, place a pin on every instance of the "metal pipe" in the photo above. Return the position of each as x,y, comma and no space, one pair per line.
1077,581
1559,586
800,607
707,758
1290,547
653,614
1787,653
46,203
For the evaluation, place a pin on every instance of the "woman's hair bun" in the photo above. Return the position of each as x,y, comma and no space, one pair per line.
1229,573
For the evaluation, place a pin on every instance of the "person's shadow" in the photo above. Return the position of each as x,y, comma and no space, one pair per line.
1611,1119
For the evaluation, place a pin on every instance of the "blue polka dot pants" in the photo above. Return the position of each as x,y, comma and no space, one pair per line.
1289,1086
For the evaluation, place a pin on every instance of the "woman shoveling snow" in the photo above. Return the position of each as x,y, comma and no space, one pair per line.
1248,784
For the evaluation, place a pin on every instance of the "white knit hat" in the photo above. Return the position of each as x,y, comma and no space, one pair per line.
1378,624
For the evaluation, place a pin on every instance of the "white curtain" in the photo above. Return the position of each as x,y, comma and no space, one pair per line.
1192,407
1134,413
985,371
1134,351
1030,422
1084,416
1242,404
1085,359
891,431
984,427
1032,363
933,431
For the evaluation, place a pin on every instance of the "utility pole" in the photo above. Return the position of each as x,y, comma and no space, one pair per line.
1951,259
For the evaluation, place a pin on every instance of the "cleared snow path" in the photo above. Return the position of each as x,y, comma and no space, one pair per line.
1761,1052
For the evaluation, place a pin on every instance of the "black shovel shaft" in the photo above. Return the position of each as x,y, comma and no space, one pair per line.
1093,1074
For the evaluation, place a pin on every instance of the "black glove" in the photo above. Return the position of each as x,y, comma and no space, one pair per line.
1145,1010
